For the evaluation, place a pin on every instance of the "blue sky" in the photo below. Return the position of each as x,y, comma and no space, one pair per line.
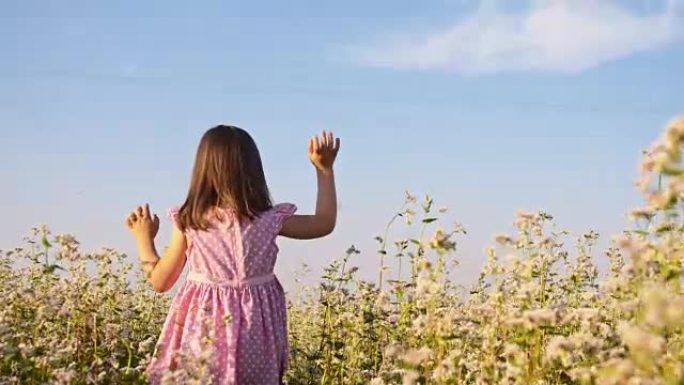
488,107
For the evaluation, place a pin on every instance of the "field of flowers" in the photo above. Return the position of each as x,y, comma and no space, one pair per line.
540,312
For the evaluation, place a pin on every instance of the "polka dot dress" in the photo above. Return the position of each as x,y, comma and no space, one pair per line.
227,321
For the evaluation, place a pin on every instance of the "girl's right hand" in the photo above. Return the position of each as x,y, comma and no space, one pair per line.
323,151
142,223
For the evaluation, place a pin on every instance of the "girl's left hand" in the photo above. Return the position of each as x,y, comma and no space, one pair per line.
142,223
323,150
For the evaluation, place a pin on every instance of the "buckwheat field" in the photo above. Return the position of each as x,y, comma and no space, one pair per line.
540,312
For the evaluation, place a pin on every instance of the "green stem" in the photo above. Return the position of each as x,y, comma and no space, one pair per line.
130,358
94,335
383,249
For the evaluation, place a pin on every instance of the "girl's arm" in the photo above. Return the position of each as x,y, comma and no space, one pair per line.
322,153
323,221
162,273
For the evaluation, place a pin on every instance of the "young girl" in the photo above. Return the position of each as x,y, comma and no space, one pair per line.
226,230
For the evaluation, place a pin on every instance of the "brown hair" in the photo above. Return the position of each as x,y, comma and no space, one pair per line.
228,173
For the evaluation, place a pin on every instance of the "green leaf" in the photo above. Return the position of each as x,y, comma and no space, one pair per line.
671,170
51,268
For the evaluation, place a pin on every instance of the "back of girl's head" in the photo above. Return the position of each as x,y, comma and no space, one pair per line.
228,173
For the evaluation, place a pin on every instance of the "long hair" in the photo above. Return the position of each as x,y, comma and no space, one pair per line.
228,173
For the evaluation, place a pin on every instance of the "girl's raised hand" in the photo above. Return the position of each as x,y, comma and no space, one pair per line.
323,150
142,223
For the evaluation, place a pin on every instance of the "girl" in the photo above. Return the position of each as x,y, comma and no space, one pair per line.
226,230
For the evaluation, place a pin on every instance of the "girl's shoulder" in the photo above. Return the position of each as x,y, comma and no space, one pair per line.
284,209
278,214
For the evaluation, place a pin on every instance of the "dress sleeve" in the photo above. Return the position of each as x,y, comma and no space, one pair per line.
281,212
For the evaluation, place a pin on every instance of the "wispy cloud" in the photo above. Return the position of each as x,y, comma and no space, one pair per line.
558,36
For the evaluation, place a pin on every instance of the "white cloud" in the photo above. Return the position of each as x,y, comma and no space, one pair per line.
558,36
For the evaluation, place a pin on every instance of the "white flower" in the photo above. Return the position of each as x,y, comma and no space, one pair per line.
558,348
587,313
443,370
503,239
581,375
639,340
422,286
392,350
423,264
540,317
511,350
416,357
619,372
646,213
410,377
382,302
64,376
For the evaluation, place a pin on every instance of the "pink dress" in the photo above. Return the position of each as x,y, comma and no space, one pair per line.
228,319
